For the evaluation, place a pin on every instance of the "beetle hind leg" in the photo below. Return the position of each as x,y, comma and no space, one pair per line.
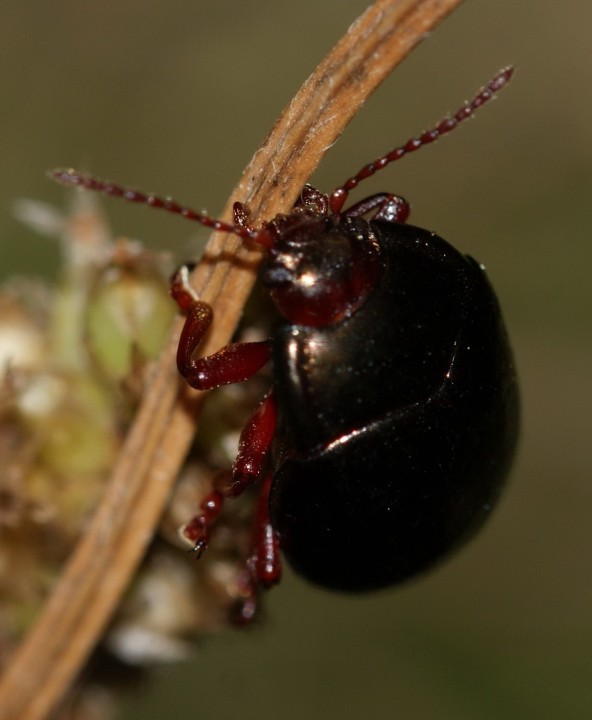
263,567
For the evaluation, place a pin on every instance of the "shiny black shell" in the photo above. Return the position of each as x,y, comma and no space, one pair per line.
397,425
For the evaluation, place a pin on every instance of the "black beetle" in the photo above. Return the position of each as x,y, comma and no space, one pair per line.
393,417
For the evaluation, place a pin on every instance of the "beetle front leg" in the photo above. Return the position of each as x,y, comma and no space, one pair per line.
392,208
232,364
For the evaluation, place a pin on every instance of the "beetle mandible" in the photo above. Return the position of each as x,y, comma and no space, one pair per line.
392,421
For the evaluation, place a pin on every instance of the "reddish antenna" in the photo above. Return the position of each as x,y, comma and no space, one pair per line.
264,236
88,182
339,195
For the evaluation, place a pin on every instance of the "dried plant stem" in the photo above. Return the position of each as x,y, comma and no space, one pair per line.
99,570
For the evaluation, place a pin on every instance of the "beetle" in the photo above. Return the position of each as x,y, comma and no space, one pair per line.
390,428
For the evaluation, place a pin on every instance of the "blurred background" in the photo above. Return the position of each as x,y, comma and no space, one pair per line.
174,97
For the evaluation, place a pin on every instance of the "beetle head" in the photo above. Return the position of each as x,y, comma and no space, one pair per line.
320,267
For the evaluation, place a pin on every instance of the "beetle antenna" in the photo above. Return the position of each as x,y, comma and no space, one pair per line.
340,194
88,182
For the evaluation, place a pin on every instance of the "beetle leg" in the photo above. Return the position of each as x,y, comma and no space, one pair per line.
254,447
246,608
265,563
232,364
263,568
198,529
392,208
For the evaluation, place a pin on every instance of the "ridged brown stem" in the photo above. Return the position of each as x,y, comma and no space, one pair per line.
106,557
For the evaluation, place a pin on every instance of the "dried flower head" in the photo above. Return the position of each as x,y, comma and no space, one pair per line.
74,360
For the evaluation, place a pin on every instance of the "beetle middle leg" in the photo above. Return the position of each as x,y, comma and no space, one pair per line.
254,448
263,567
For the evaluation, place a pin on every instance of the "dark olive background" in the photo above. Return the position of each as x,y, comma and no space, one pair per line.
175,96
